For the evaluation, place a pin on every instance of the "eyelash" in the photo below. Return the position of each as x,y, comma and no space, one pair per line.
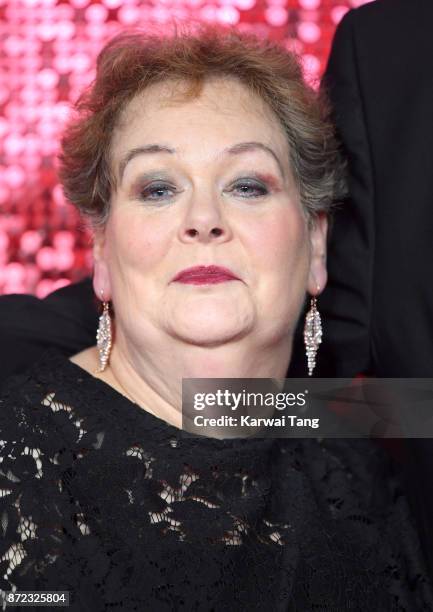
162,186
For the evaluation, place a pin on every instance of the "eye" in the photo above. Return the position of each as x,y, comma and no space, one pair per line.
250,189
156,191
246,188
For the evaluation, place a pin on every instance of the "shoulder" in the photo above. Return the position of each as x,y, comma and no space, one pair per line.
27,426
348,463
378,14
42,430
35,411
378,29
348,496
40,443
351,480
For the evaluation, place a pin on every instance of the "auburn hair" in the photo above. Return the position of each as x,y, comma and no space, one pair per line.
132,61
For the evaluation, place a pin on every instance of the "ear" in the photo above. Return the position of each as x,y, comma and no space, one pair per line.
101,277
318,275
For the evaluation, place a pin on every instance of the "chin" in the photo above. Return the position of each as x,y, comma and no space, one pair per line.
208,341
208,330
211,321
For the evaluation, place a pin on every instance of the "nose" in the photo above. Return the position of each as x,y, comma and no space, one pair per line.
205,222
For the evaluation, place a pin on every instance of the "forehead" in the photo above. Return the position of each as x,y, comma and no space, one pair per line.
226,112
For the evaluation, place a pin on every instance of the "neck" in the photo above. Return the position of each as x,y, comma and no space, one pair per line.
153,379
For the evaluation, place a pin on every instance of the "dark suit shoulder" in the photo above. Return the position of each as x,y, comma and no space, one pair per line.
66,319
384,23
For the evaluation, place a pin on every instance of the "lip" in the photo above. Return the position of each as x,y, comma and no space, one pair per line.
199,275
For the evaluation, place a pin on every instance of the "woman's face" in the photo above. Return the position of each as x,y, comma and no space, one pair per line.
202,196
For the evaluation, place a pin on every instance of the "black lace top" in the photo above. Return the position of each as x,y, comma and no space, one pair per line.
102,499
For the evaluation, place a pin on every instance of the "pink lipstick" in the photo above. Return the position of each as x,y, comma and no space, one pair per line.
203,275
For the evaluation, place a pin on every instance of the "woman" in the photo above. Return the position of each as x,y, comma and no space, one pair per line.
207,169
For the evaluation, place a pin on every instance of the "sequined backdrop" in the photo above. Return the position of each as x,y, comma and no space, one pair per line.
47,55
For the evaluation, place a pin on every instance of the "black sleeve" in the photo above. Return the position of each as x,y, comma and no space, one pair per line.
378,92
345,304
66,319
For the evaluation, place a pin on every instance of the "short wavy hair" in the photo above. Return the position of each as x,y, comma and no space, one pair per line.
132,61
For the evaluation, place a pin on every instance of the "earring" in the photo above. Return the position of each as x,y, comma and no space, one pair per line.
103,336
312,334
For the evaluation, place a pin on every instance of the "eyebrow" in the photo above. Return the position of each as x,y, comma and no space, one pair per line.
236,149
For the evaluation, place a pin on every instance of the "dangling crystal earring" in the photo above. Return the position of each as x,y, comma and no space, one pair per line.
103,335
312,334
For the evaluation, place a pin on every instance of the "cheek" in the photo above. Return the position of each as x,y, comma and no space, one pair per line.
281,242
135,244
280,252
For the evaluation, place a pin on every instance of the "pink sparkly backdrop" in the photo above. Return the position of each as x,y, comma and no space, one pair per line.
47,54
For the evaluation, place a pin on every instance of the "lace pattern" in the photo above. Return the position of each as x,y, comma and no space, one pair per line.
101,498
